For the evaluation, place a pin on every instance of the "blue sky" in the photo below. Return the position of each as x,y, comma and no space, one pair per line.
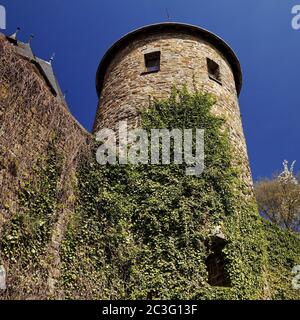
259,31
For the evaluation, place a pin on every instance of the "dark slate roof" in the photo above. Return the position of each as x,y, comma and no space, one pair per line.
44,67
219,43
24,49
48,73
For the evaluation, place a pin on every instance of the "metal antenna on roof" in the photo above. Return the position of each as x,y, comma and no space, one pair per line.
30,38
14,35
168,14
52,58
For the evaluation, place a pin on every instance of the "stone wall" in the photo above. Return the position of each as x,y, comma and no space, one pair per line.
183,62
30,117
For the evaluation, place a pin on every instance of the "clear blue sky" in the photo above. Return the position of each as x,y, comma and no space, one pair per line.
260,32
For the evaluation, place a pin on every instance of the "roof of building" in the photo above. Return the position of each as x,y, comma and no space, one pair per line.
219,43
48,73
45,67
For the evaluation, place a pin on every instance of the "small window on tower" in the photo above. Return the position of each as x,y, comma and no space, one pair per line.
214,70
216,263
152,62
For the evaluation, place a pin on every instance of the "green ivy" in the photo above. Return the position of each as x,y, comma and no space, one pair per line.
283,256
26,236
139,232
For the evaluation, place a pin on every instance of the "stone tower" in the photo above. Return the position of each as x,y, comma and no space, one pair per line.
147,62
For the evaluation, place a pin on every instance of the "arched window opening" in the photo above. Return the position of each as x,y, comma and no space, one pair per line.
216,263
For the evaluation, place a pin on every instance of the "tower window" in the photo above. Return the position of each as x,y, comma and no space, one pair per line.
152,62
215,263
214,70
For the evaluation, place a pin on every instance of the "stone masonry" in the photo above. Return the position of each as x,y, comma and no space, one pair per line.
31,114
126,87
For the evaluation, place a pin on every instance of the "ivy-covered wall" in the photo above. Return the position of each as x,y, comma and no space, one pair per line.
140,232
26,237
31,120
144,231
283,255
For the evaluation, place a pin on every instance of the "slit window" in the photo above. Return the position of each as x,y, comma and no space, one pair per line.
213,70
216,264
152,61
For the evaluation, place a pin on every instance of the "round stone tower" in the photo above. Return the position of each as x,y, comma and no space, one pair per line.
148,62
